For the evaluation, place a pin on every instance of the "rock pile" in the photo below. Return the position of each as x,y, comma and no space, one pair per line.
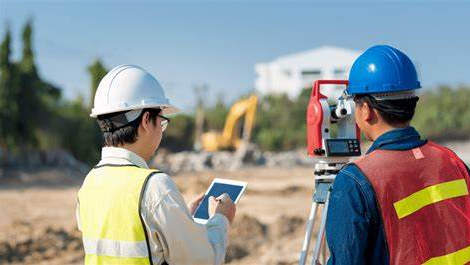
225,160
41,158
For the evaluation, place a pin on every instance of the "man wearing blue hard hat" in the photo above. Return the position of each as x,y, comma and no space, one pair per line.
407,200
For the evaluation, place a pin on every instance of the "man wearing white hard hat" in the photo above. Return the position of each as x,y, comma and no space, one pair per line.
128,213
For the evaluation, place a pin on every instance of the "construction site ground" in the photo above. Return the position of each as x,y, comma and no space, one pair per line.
37,224
37,212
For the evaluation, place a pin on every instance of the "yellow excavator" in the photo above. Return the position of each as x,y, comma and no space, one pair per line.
230,137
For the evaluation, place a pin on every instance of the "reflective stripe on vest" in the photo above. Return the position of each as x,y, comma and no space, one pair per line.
430,195
112,229
459,257
106,247
423,198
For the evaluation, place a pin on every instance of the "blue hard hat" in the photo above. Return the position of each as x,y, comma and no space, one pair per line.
382,69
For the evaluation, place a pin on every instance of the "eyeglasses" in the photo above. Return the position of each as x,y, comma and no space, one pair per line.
164,122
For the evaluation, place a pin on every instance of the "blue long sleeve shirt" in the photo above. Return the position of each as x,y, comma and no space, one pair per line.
354,228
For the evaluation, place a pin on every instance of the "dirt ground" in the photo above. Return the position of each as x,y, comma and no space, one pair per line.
37,213
37,224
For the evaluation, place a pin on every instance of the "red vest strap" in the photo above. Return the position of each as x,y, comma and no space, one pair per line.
423,195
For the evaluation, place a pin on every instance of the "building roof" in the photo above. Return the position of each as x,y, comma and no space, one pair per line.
318,57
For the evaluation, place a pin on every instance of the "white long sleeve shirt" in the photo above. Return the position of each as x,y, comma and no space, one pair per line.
173,235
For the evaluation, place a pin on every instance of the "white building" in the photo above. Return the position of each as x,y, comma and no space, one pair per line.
291,73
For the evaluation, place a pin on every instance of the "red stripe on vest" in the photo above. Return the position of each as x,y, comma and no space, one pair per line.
437,229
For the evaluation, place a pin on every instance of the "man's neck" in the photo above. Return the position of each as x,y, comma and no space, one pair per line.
384,128
136,149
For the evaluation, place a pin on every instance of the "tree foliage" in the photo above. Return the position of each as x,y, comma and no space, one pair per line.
215,116
9,140
97,71
78,132
444,113
180,133
27,64
32,113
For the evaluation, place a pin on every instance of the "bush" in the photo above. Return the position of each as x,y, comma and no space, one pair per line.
444,114
79,133
180,133
280,122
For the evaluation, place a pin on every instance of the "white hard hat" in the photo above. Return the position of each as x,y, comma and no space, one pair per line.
129,87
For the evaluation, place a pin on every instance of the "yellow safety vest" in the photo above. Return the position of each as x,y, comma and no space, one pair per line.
109,203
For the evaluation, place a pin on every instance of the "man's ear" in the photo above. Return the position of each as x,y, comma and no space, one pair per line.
145,123
368,113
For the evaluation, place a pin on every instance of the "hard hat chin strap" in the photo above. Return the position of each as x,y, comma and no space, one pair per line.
120,120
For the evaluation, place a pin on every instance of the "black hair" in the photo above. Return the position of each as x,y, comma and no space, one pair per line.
126,134
393,111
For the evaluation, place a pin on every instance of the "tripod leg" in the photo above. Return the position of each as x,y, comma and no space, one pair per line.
308,233
321,231
323,258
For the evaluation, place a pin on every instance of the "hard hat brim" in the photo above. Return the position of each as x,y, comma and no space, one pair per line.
170,109
167,109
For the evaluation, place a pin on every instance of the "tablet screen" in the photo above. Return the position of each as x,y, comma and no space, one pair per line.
217,189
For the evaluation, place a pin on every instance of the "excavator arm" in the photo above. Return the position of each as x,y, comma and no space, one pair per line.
213,141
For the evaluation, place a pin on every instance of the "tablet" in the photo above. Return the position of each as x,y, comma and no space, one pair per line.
218,187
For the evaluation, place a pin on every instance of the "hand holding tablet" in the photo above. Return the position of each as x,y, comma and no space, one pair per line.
233,189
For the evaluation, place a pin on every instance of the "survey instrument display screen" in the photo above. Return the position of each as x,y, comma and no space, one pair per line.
339,147
218,187
342,147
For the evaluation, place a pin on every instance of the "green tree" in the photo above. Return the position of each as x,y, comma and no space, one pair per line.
274,123
78,132
180,133
38,99
87,139
215,116
8,97
444,113
97,71
30,108
27,63
75,121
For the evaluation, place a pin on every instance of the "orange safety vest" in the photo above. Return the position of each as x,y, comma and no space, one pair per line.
423,196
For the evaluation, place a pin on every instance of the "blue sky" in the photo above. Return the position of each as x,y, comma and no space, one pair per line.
218,43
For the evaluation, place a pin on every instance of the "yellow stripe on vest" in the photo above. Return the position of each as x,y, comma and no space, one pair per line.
430,195
96,259
460,257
